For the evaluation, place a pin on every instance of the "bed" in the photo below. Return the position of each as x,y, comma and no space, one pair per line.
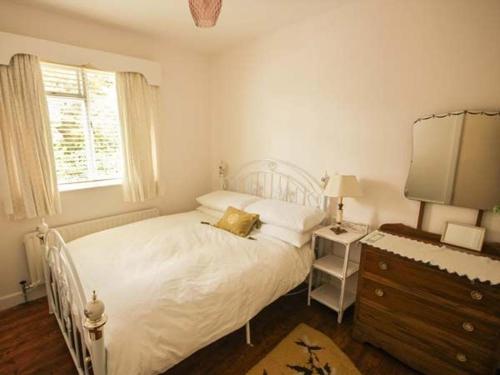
172,284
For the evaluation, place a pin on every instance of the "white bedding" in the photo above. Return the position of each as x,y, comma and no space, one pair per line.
172,285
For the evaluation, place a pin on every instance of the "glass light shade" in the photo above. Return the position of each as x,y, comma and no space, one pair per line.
205,12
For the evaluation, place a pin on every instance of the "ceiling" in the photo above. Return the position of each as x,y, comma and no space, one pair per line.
170,19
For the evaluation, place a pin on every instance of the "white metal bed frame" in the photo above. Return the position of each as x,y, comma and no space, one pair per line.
82,322
276,179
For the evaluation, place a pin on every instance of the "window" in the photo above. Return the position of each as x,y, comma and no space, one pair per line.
83,112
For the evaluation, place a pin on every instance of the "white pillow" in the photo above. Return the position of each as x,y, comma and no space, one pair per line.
290,236
215,213
220,200
287,215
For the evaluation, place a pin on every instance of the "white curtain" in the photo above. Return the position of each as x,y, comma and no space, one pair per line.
138,106
28,179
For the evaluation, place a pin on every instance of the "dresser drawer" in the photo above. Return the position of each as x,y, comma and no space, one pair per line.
465,359
429,315
421,278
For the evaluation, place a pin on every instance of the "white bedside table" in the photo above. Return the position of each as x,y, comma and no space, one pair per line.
341,268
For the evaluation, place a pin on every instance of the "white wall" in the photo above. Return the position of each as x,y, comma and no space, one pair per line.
183,157
340,92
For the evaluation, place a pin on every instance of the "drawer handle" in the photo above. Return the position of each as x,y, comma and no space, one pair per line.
476,295
461,357
383,266
467,326
379,292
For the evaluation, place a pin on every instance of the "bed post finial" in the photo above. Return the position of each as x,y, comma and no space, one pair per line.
42,229
222,174
324,180
324,183
95,319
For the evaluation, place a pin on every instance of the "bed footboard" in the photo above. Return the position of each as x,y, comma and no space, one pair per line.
81,323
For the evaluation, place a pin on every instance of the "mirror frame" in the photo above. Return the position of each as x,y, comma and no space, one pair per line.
439,116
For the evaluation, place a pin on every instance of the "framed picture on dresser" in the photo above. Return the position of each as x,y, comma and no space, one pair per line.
463,235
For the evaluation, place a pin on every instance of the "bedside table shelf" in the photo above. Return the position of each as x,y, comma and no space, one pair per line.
329,295
334,265
339,298
354,233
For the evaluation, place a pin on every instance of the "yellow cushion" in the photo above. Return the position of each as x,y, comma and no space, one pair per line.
238,222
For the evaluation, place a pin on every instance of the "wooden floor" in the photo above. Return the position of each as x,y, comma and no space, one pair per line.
30,342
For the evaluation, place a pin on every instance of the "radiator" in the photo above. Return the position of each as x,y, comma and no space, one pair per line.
34,251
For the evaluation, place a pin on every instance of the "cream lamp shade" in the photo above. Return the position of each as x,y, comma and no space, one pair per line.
342,186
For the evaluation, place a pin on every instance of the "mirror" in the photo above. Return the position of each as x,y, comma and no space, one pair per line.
456,160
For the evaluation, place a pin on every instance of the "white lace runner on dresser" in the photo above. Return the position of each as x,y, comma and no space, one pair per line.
474,267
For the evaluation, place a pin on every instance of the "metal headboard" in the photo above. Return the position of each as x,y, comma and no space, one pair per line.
276,179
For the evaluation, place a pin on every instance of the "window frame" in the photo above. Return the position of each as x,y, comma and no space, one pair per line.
72,186
92,182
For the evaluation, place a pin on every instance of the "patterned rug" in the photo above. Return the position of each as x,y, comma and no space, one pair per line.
305,351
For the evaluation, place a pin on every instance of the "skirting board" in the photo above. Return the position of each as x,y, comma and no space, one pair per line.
10,300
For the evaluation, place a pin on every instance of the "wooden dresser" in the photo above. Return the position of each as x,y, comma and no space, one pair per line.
434,321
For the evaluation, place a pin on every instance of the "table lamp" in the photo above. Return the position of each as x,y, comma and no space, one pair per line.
342,186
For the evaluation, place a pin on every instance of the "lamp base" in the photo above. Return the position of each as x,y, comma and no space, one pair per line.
337,230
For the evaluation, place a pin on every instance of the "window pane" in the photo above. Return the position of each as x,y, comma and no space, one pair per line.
68,119
83,111
60,79
103,115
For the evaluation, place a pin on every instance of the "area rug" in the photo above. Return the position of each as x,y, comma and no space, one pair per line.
305,351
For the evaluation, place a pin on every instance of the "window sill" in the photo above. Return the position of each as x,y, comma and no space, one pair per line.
88,185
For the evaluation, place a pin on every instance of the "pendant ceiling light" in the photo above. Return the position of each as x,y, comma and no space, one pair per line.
205,12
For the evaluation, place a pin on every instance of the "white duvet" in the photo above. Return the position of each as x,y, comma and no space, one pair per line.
172,285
